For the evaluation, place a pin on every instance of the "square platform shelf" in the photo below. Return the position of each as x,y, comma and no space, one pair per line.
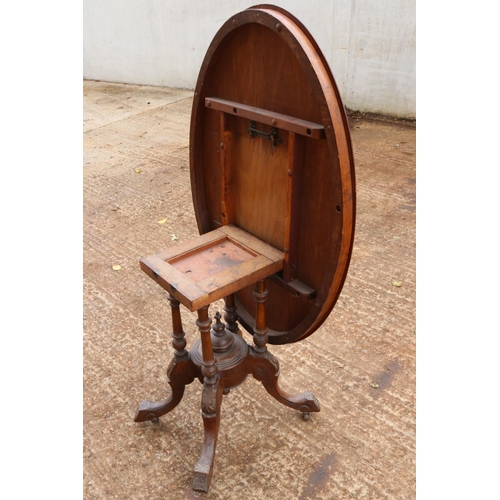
212,266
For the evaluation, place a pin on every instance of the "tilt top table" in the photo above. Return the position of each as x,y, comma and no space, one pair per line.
272,177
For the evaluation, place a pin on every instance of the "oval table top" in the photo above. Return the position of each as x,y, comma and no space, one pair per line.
270,152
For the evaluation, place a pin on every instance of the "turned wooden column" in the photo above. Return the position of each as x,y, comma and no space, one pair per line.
211,398
178,335
209,368
230,315
260,335
180,372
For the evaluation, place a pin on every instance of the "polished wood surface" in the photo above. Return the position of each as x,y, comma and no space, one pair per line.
294,191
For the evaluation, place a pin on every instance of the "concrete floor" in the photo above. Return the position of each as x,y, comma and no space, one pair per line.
362,443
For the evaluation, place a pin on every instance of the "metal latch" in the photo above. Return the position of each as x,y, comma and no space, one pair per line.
272,136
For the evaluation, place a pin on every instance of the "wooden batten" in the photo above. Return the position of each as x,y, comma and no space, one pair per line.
226,150
278,120
292,220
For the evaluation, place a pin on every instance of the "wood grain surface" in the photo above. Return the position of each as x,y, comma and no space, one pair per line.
296,192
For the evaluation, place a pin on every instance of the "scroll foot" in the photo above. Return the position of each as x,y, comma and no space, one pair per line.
180,373
265,368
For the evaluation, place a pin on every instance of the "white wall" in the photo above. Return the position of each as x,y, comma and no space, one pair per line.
369,44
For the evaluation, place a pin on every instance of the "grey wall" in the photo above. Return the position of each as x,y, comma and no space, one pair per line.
369,44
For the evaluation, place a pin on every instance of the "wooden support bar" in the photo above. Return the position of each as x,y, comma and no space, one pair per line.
294,287
176,283
233,279
190,245
292,218
226,149
250,241
278,120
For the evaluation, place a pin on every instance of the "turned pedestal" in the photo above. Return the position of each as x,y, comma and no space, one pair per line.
196,274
